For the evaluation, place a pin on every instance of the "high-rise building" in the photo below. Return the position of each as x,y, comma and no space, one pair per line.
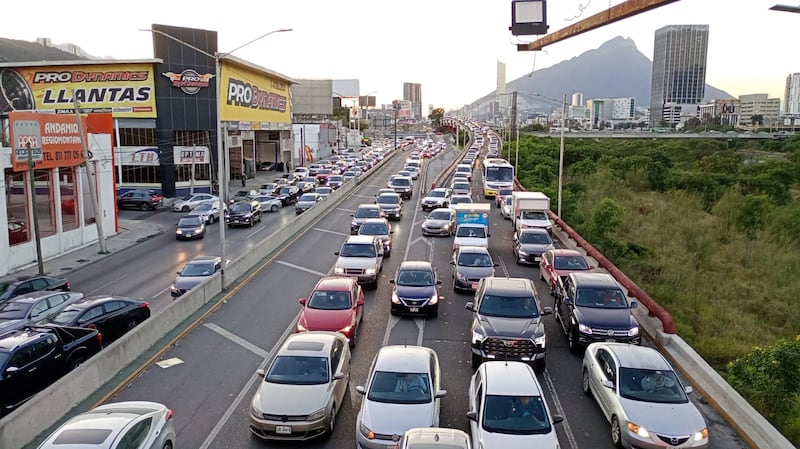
791,98
679,70
577,99
413,93
759,105
500,90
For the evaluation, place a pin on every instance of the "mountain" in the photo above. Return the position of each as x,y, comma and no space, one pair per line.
12,50
615,69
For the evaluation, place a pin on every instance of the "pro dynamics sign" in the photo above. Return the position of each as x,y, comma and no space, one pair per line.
247,95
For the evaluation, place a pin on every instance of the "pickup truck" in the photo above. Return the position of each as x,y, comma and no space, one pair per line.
472,225
33,358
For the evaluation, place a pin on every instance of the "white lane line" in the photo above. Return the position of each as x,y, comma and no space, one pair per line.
260,228
331,232
420,322
345,210
363,196
238,340
160,293
393,320
107,284
246,389
298,267
573,444
503,265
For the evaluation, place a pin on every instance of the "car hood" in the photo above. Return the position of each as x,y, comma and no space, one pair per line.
282,399
390,207
305,204
534,248
188,282
535,223
240,213
360,220
326,320
491,439
511,327
433,200
665,419
391,419
404,291
356,262
436,222
475,272
604,318
11,324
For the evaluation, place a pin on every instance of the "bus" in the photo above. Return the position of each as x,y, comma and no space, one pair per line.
497,174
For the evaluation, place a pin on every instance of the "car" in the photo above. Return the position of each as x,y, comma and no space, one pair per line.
207,212
118,425
360,257
17,231
413,169
404,186
243,213
268,203
462,188
470,265
458,177
507,208
507,322
267,188
335,181
391,178
459,199
336,304
303,389
434,438
25,285
112,315
287,194
194,272
349,174
401,392
378,227
529,244
244,195
391,204
501,194
436,198
465,169
592,307
557,264
300,172
141,199
405,173
415,289
383,190
363,212
507,408
306,201
441,221
313,169
190,227
642,397
324,191
189,202
323,175
32,308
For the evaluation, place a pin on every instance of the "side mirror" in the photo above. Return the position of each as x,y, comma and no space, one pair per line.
391,232
438,282
440,394
352,215
360,302
302,301
391,281
547,311
557,419
496,264
592,267
688,389
179,273
488,235
472,416
261,373
336,253
634,304
470,306
338,376
361,389
608,384
11,370
452,262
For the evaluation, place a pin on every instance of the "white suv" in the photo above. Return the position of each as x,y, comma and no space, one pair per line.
361,257
507,408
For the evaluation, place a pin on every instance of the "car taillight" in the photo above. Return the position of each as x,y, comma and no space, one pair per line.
169,414
92,326
66,286
100,339
145,305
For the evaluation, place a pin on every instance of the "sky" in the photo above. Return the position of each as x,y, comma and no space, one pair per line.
451,47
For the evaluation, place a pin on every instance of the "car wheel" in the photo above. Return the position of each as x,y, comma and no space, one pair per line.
587,390
185,209
616,432
475,361
144,206
210,219
76,362
541,277
572,340
167,445
539,365
274,208
355,337
332,420
252,221
131,324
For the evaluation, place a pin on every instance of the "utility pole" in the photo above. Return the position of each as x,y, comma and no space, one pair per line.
37,239
191,181
515,130
98,212
561,153
394,106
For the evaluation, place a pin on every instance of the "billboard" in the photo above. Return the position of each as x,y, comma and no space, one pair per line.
250,96
50,140
125,90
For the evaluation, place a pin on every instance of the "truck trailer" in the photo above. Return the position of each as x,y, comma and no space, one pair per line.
530,210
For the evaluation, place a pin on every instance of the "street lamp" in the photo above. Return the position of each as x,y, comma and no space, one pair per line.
220,159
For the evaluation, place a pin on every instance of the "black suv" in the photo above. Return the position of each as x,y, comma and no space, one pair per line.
592,307
32,284
243,213
140,199
507,322
288,194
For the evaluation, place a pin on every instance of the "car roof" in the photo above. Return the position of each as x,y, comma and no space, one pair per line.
35,296
360,239
511,287
28,278
635,356
430,437
202,259
339,283
566,252
594,279
114,417
393,194
88,301
473,249
315,344
367,206
510,379
403,359
417,265
533,231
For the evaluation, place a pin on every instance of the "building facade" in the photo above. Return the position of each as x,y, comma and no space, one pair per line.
679,71
759,104
412,92
791,97
608,111
725,110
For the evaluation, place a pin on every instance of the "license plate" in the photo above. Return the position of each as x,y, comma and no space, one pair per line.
474,285
413,309
611,339
283,430
537,259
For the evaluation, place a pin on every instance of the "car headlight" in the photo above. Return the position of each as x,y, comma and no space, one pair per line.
346,329
179,232
638,430
447,226
540,340
301,328
584,329
353,224
254,409
522,253
370,271
701,435
315,415
477,337
174,288
434,299
395,299
366,431
634,331
338,270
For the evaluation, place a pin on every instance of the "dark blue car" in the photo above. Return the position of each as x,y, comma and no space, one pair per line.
416,289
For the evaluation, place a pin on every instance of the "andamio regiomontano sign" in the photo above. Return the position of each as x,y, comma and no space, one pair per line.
54,140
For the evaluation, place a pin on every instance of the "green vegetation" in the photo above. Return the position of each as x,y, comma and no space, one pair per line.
711,230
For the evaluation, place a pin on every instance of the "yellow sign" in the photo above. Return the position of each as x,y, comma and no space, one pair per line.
125,90
250,96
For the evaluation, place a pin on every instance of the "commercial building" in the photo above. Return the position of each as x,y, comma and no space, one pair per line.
412,92
754,105
791,97
316,135
679,72
609,111
724,110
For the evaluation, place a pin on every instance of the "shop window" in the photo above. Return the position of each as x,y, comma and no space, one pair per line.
43,201
140,174
19,230
86,199
69,198
183,172
137,137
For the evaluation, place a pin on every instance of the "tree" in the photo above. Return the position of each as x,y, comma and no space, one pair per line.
757,119
436,117
752,216
606,218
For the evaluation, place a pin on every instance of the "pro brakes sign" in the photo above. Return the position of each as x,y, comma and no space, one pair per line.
189,81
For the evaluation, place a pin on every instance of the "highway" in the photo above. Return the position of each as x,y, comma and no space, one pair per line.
210,391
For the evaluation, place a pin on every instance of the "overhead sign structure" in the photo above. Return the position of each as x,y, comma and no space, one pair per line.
54,140
248,95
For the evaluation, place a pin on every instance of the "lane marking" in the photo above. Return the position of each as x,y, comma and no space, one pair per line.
573,443
503,265
238,340
345,210
160,293
420,322
260,228
393,320
344,234
108,283
363,196
298,267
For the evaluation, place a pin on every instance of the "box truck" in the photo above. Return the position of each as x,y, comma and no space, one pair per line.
530,210
472,224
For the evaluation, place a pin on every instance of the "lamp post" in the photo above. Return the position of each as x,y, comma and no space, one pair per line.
220,159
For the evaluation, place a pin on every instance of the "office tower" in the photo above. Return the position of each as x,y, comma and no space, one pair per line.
791,98
413,93
577,99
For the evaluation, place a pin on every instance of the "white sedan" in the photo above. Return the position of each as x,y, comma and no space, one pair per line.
268,203
189,202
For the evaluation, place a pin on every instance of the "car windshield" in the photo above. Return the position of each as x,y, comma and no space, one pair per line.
324,171
241,207
471,232
389,199
335,178
415,278
188,222
329,300
516,415
4,289
66,316
439,215
457,199
460,186
648,385
400,388
367,212
297,370
509,306
571,263
308,197
13,310
186,198
285,191
203,207
242,193
374,229
474,260
437,194
536,238
405,173
324,190
534,215
401,182
310,180
198,269
602,298
358,250
508,200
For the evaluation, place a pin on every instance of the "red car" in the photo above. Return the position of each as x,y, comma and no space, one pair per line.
336,304
559,263
322,175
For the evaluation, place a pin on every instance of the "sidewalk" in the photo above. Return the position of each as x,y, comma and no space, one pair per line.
130,233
